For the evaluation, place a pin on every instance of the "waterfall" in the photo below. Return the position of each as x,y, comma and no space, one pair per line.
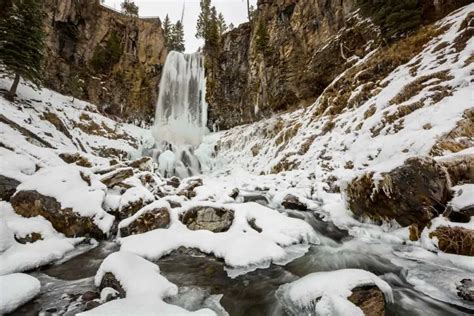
181,114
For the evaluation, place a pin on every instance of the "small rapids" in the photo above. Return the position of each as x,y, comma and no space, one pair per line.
204,283
181,114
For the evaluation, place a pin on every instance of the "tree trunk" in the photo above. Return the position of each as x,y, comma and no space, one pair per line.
248,10
11,94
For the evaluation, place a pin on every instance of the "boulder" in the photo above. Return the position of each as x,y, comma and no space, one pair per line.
76,158
292,202
117,176
149,218
369,299
174,182
64,220
110,281
142,164
209,218
413,193
133,200
187,188
7,187
466,290
234,194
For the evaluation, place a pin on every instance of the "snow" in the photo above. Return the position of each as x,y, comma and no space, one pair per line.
67,186
320,292
15,166
463,197
240,247
145,288
135,194
15,290
6,237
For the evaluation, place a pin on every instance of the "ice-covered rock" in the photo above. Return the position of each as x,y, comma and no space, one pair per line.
16,289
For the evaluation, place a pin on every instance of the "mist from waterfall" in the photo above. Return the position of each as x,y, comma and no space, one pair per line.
181,111
181,114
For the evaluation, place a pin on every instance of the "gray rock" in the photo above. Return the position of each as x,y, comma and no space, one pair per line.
209,218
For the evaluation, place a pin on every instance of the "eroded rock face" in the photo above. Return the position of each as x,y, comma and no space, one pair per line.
209,218
150,220
64,220
369,299
410,194
7,187
118,58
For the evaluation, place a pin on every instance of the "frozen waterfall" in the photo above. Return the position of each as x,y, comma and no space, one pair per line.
181,114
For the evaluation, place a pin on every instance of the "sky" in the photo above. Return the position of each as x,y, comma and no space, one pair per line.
234,11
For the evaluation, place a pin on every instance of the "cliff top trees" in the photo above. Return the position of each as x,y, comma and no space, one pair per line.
22,42
210,25
129,8
174,35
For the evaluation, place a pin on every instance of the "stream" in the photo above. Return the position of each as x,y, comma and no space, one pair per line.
203,281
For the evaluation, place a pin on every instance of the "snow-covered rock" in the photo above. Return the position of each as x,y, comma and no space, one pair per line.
327,293
153,216
16,289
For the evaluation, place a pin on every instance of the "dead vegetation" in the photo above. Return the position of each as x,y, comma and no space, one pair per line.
455,240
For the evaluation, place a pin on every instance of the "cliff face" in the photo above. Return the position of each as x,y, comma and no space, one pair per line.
305,46
104,57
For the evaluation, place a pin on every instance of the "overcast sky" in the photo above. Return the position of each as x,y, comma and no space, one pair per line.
235,11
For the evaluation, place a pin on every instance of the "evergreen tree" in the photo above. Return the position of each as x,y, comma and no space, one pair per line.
22,42
221,24
129,8
76,86
262,38
213,36
177,37
204,18
167,28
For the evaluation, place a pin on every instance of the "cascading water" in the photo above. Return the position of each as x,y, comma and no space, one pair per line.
181,114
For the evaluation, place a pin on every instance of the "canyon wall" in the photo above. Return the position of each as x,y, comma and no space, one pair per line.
290,52
105,57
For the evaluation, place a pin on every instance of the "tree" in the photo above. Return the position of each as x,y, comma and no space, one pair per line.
203,19
129,8
22,42
76,86
221,24
177,37
262,38
167,28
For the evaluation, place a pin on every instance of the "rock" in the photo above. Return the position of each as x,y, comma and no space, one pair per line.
109,281
369,299
142,164
466,289
455,240
92,304
133,200
189,186
117,176
7,187
293,203
151,219
108,294
235,193
76,158
64,220
209,218
89,296
174,182
460,169
413,193
30,238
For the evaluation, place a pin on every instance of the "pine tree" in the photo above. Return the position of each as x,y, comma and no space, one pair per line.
22,42
129,8
222,25
203,23
177,37
167,28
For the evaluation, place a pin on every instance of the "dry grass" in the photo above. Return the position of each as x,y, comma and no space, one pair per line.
455,240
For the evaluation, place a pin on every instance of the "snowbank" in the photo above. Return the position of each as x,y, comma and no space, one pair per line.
15,290
464,196
325,293
241,246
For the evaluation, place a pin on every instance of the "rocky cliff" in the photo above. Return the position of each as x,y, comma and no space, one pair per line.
288,55
102,56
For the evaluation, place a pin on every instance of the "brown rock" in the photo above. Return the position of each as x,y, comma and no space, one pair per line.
76,158
153,219
66,221
413,193
115,177
174,182
189,186
369,299
30,238
142,164
7,187
109,280
209,218
89,296
293,203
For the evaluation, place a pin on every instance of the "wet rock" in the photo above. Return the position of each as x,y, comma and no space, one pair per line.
252,223
189,186
209,218
369,299
30,238
460,216
108,294
151,219
292,202
235,193
455,240
174,182
89,296
76,158
117,176
92,304
109,280
466,289
64,220
142,164
413,193
7,187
